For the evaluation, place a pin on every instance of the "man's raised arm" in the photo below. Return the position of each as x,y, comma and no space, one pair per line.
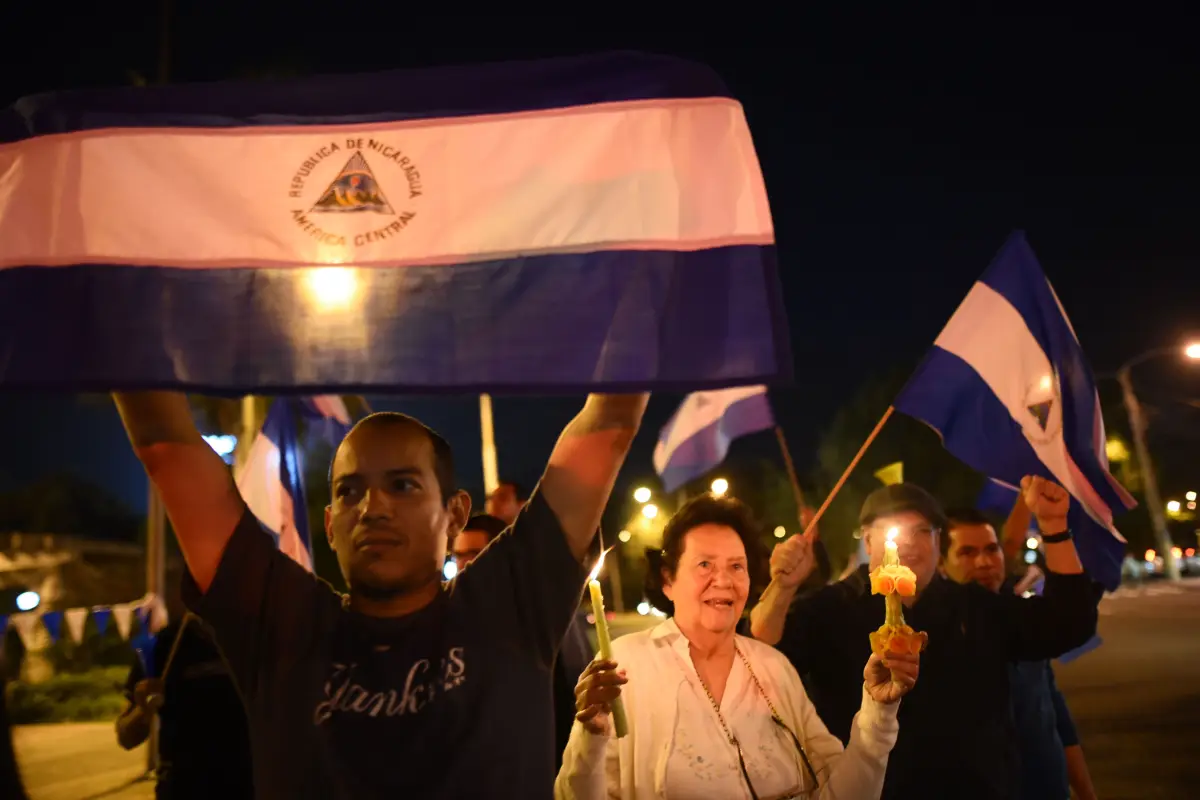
194,483
585,463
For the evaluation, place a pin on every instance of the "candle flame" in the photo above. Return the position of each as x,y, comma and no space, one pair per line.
599,564
892,534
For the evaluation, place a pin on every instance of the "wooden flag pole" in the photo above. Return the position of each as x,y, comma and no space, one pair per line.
812,524
791,471
187,618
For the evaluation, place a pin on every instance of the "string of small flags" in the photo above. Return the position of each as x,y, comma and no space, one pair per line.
134,620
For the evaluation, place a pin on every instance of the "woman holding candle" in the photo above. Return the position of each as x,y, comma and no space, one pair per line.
711,713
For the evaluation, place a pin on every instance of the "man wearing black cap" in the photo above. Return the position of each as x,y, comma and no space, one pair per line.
956,732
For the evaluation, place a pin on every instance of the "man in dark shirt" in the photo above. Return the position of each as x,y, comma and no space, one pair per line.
1046,737
203,745
407,686
956,737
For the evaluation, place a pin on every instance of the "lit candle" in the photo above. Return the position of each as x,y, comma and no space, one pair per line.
893,610
890,555
604,641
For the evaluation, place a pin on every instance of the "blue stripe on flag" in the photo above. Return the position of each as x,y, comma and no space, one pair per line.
611,320
439,92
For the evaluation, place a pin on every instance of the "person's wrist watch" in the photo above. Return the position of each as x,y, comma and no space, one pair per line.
1057,538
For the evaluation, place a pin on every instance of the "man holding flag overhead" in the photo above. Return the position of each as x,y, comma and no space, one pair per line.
381,693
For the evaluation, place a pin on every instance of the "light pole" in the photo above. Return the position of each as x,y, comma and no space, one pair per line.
1137,424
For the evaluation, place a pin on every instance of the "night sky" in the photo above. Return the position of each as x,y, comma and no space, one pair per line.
898,154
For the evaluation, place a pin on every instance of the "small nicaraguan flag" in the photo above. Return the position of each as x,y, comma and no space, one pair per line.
697,438
580,224
1007,387
272,479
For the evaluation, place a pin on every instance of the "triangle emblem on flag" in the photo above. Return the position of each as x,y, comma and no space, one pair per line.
1041,413
355,189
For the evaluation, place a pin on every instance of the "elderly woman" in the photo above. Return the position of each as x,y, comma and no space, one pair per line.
713,714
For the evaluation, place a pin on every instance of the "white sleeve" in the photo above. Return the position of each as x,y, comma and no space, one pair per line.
590,768
857,771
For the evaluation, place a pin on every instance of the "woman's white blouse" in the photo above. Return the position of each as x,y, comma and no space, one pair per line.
676,749
703,764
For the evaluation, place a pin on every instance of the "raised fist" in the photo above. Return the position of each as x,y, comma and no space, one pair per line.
1048,503
792,561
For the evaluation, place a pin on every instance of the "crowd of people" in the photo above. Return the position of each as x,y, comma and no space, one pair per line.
485,685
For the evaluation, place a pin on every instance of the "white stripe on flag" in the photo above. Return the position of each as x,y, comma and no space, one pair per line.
675,174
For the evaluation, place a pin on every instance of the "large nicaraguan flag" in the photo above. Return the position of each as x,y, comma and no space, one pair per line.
1007,387
698,436
590,223
272,479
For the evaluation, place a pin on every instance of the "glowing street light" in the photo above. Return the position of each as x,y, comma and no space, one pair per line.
649,511
624,536
1032,543
1191,496
1192,351
780,532
1173,506
1116,451
720,486
28,601
641,494
1151,555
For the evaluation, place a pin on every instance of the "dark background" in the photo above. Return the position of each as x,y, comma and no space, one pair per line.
898,151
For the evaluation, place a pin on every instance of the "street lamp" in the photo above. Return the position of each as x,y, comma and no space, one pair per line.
1138,426
641,494
720,486
780,531
1173,506
649,511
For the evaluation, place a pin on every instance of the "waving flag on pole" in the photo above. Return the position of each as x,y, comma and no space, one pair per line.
272,480
697,438
1007,387
575,224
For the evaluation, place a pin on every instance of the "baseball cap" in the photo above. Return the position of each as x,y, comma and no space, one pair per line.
901,497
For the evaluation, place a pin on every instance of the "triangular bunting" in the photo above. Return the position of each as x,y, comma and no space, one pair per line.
123,615
76,621
53,622
101,616
354,189
25,624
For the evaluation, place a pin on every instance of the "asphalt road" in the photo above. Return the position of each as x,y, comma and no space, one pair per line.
1136,703
1136,700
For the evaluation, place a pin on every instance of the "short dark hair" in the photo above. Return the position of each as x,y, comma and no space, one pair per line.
963,515
707,509
519,490
486,524
443,456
